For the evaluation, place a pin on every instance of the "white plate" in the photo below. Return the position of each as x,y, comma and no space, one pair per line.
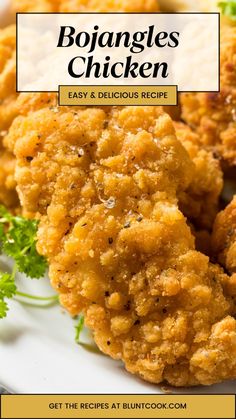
38,353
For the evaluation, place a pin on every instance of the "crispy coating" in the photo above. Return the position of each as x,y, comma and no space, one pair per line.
8,194
199,202
104,186
7,74
224,237
223,245
213,114
12,105
84,5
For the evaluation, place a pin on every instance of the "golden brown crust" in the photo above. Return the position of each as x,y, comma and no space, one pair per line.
213,114
7,75
12,105
199,202
104,185
8,194
224,237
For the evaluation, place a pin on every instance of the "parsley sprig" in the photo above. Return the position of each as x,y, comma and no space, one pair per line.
18,241
228,8
79,327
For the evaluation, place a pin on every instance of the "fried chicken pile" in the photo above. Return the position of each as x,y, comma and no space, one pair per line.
126,200
104,185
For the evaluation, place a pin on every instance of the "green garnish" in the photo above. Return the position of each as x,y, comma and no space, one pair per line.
18,241
228,8
78,328
7,290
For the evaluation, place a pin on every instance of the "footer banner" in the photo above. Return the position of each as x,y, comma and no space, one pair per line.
118,406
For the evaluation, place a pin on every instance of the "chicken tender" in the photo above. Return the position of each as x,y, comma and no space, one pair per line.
213,115
199,202
224,237
11,105
104,185
85,5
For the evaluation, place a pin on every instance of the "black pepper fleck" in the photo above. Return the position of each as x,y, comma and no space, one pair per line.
127,225
127,306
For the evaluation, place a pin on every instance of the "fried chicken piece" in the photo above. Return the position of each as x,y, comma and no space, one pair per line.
85,5
104,186
223,244
8,194
199,202
13,104
213,114
10,102
7,74
224,237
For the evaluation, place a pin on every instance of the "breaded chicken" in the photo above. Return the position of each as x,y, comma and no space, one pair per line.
199,202
213,115
224,237
85,5
12,105
7,74
8,194
104,185
223,244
